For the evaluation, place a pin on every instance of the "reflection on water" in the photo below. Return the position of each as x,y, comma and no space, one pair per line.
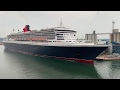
108,69
103,68
38,67
15,65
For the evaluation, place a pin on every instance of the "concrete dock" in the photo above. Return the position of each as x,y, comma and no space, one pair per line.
108,57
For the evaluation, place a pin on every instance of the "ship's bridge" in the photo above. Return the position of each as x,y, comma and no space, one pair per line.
63,34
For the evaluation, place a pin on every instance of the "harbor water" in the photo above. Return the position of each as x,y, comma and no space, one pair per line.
19,66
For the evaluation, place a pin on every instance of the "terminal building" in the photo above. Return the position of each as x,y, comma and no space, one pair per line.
115,35
91,37
114,39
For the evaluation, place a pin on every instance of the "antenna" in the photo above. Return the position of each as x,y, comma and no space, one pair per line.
61,24
13,30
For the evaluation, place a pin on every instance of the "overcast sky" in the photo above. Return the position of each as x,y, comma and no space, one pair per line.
84,22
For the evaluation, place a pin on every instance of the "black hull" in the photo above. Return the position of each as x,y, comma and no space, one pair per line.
85,53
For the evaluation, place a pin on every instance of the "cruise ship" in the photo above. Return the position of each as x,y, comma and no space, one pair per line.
57,42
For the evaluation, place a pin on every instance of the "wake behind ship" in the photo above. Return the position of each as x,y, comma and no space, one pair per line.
57,42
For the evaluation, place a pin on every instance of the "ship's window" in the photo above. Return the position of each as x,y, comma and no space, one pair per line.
60,39
59,34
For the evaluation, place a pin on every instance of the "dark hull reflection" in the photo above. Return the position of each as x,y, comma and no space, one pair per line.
51,68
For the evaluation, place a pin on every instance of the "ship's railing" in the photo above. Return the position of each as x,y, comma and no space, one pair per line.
28,39
85,41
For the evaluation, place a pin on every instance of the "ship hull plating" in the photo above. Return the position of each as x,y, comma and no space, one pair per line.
77,54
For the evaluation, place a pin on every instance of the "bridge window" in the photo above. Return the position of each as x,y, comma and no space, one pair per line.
59,34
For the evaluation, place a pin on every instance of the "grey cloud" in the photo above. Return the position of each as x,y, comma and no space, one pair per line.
81,21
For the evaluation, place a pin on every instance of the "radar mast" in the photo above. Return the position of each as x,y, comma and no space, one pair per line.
61,24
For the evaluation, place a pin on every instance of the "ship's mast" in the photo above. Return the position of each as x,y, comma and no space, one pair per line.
13,30
61,24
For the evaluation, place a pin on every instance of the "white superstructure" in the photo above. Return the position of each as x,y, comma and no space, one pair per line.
50,36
